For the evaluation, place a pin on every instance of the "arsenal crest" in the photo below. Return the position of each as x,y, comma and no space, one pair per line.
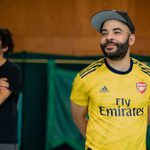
141,87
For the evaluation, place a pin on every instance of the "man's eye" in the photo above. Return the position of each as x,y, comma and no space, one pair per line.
117,32
104,33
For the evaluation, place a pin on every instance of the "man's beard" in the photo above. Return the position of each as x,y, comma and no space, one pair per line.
121,51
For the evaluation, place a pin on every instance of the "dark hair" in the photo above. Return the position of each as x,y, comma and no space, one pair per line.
6,39
128,20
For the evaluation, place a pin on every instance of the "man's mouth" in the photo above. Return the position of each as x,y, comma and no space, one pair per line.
110,46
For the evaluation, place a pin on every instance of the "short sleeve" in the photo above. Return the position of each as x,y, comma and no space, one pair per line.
79,94
14,79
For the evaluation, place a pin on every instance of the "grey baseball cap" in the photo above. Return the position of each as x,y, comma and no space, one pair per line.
99,18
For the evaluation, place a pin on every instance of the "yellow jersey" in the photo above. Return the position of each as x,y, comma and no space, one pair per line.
117,105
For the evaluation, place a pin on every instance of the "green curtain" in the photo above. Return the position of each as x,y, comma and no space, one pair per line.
19,120
34,105
60,126
148,138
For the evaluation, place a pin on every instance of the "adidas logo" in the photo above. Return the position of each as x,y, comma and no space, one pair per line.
104,89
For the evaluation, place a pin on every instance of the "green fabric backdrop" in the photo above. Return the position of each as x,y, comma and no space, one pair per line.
34,105
148,138
60,127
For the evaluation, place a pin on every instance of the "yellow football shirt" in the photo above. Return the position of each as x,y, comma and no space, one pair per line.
117,104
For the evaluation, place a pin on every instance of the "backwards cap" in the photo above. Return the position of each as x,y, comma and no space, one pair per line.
99,18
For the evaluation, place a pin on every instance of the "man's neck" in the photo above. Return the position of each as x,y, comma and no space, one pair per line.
120,65
2,60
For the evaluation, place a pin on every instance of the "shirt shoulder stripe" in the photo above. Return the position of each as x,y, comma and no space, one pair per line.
89,69
142,66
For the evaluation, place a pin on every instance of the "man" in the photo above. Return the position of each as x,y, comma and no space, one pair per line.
10,83
114,91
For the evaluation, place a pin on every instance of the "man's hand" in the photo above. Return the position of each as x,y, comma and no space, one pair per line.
4,84
4,90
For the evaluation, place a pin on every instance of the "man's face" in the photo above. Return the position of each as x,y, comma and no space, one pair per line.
115,39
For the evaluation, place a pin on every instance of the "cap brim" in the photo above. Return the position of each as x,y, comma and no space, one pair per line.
99,18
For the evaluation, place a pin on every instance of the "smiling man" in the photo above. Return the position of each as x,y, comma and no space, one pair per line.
114,91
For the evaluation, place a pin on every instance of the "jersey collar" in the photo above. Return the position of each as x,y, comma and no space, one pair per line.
117,71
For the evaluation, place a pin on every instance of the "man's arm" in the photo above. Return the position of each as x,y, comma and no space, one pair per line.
4,90
149,115
79,114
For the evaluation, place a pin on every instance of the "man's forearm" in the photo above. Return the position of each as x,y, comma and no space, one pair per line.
79,114
82,125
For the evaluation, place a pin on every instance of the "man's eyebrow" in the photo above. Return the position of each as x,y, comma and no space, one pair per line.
117,29
114,29
104,30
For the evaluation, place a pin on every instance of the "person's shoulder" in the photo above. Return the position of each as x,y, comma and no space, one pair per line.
140,64
13,66
91,68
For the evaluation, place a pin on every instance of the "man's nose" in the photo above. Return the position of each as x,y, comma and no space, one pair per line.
109,36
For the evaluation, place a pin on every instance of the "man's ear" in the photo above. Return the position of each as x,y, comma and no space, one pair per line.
131,39
4,49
